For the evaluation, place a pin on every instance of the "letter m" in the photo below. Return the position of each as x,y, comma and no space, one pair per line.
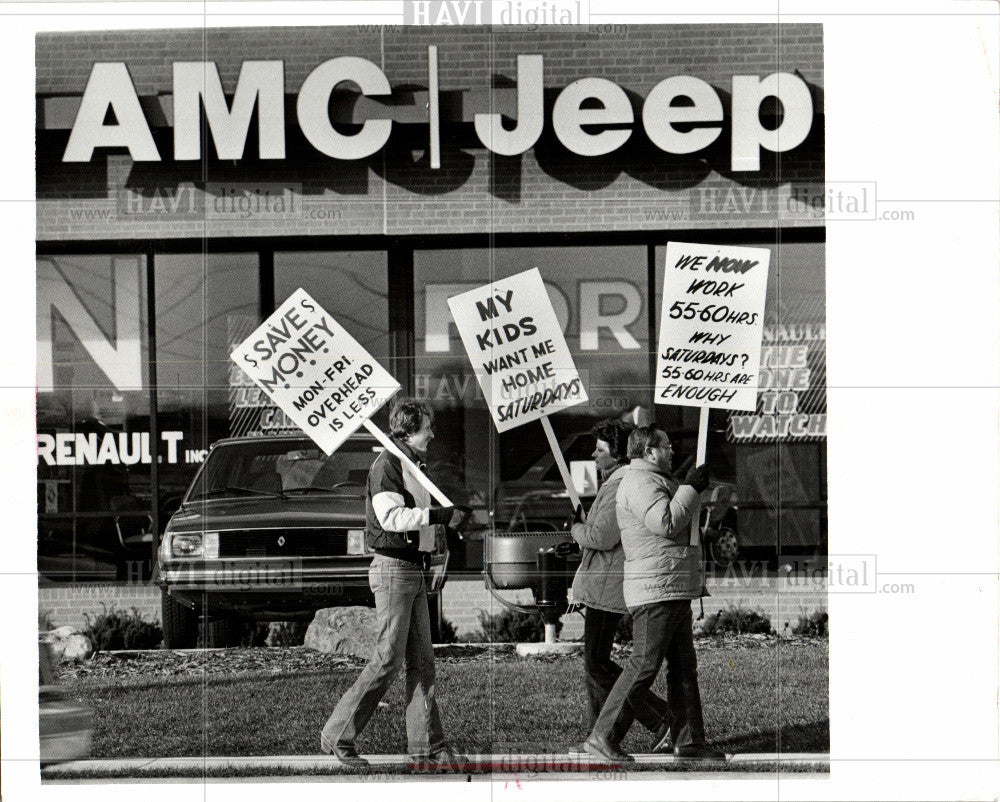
261,83
487,310
119,359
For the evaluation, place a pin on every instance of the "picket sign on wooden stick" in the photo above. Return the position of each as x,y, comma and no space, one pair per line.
421,477
328,392
561,462
520,356
711,327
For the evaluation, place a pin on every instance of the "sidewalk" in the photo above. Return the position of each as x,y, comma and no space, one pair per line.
541,766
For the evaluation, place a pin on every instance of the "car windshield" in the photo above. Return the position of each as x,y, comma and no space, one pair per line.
283,468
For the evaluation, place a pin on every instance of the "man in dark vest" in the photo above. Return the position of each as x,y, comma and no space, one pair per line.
401,527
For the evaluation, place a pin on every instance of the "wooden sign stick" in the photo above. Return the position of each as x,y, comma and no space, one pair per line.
429,486
702,436
561,462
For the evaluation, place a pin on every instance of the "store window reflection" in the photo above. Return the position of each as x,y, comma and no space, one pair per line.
205,304
94,450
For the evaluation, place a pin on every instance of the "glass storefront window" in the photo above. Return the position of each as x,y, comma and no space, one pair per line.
94,448
205,304
351,285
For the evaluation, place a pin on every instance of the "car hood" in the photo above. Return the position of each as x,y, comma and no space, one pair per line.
269,513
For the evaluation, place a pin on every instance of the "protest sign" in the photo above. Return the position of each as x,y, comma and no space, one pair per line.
711,322
308,364
321,377
519,355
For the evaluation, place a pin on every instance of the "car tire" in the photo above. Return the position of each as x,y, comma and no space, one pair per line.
180,624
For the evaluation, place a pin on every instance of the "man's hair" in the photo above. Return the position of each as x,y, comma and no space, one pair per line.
407,416
643,439
615,433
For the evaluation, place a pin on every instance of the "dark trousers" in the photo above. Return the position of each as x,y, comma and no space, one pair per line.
660,631
602,672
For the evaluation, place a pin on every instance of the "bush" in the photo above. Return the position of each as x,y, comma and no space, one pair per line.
448,633
511,626
735,620
115,629
816,625
45,620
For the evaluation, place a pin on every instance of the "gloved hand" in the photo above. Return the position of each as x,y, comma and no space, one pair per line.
697,477
453,517
567,547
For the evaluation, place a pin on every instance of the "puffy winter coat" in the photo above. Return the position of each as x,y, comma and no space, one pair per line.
662,559
598,580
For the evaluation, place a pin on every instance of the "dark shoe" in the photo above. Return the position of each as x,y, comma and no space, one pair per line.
347,755
601,747
443,757
699,752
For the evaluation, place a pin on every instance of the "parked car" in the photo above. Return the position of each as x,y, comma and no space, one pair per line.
537,501
271,528
65,726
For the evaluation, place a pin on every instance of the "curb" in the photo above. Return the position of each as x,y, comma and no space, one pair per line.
500,763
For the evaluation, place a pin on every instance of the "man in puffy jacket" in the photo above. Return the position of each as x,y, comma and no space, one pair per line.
662,574
401,527
598,586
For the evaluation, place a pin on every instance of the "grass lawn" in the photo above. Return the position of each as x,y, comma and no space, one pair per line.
769,699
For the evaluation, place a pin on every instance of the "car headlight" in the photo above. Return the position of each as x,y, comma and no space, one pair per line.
195,544
188,545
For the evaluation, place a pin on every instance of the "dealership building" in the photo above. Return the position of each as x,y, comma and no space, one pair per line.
189,181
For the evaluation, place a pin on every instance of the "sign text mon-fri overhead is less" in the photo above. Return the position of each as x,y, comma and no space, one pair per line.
321,377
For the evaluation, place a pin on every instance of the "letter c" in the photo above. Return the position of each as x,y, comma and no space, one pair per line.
314,113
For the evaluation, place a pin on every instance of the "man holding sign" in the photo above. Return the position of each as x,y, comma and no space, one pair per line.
662,574
329,385
401,528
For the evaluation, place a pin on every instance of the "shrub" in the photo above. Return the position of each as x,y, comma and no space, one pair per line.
45,620
735,620
283,633
116,629
816,625
448,633
511,626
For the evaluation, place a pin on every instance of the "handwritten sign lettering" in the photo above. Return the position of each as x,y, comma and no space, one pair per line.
517,349
316,372
710,326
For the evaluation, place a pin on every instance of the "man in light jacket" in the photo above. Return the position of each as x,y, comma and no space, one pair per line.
397,509
598,586
662,574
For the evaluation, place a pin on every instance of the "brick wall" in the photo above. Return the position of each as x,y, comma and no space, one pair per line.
67,604
463,599
394,191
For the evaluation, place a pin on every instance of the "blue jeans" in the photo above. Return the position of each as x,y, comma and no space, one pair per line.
602,672
660,631
404,638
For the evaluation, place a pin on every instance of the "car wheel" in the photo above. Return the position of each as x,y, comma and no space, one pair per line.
723,547
180,624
